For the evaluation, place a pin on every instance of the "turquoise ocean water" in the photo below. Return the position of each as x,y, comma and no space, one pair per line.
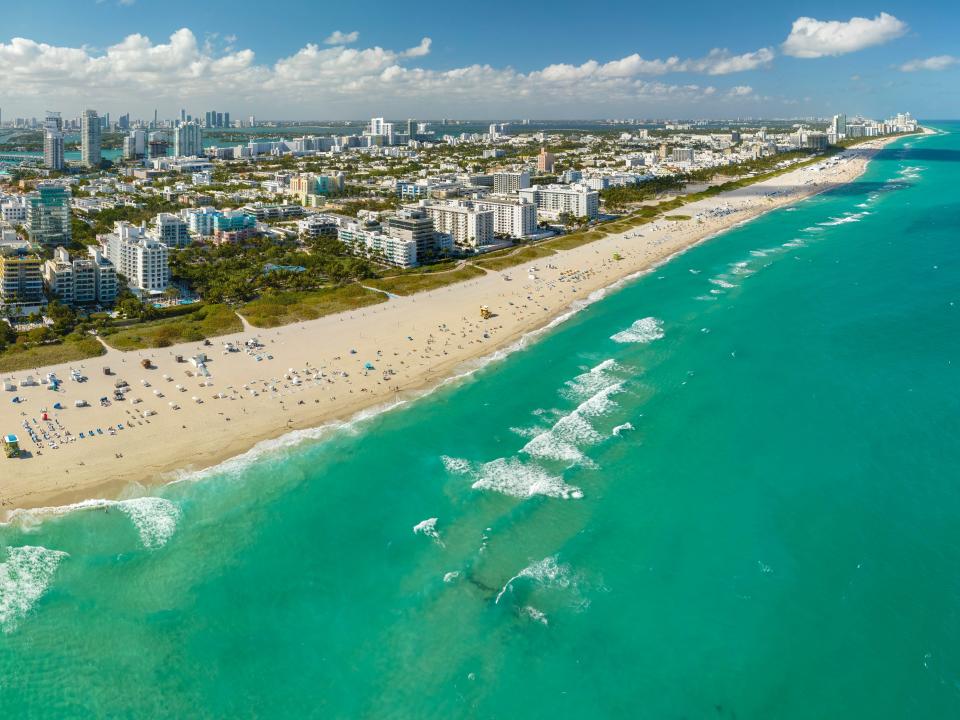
730,488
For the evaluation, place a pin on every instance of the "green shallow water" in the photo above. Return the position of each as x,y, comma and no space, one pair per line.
775,537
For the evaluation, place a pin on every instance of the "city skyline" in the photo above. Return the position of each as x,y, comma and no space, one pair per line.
129,57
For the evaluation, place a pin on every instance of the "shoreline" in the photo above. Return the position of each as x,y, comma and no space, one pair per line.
416,344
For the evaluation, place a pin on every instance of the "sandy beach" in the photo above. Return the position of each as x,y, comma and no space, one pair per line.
175,419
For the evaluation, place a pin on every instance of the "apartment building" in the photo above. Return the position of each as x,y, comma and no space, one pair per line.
21,281
172,230
48,214
188,140
552,200
370,241
462,221
80,281
505,183
512,217
138,257
90,139
416,225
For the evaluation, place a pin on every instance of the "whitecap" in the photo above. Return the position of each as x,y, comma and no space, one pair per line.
546,573
621,429
24,578
451,576
517,479
719,282
538,616
590,382
644,330
428,528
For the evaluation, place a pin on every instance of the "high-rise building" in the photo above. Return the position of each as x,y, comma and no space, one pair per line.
505,183
90,139
21,282
53,141
188,140
139,258
838,125
81,280
226,120
135,144
171,230
414,224
463,221
512,217
48,215
157,145
545,161
553,200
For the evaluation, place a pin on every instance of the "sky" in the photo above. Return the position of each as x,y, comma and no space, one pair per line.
302,59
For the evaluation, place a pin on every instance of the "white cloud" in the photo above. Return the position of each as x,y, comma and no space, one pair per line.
320,80
420,50
341,38
937,62
811,38
740,91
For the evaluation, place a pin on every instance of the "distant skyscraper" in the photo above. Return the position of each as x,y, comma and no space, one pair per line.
53,141
183,115
226,120
90,139
188,140
411,127
252,121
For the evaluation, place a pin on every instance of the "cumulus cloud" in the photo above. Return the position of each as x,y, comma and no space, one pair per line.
341,38
937,62
740,91
335,80
812,38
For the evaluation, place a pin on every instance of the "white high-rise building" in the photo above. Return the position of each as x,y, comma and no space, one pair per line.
138,257
53,142
552,200
135,144
512,217
90,139
188,140
468,225
373,242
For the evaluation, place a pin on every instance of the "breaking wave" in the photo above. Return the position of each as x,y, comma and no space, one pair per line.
644,330
514,478
24,578
428,528
154,518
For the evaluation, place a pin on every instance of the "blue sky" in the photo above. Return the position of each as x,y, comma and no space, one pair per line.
486,60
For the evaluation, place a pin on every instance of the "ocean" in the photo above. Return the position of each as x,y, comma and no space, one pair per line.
726,489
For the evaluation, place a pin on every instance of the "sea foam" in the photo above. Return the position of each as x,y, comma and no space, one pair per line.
24,578
561,441
644,330
154,518
513,477
548,572
428,528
